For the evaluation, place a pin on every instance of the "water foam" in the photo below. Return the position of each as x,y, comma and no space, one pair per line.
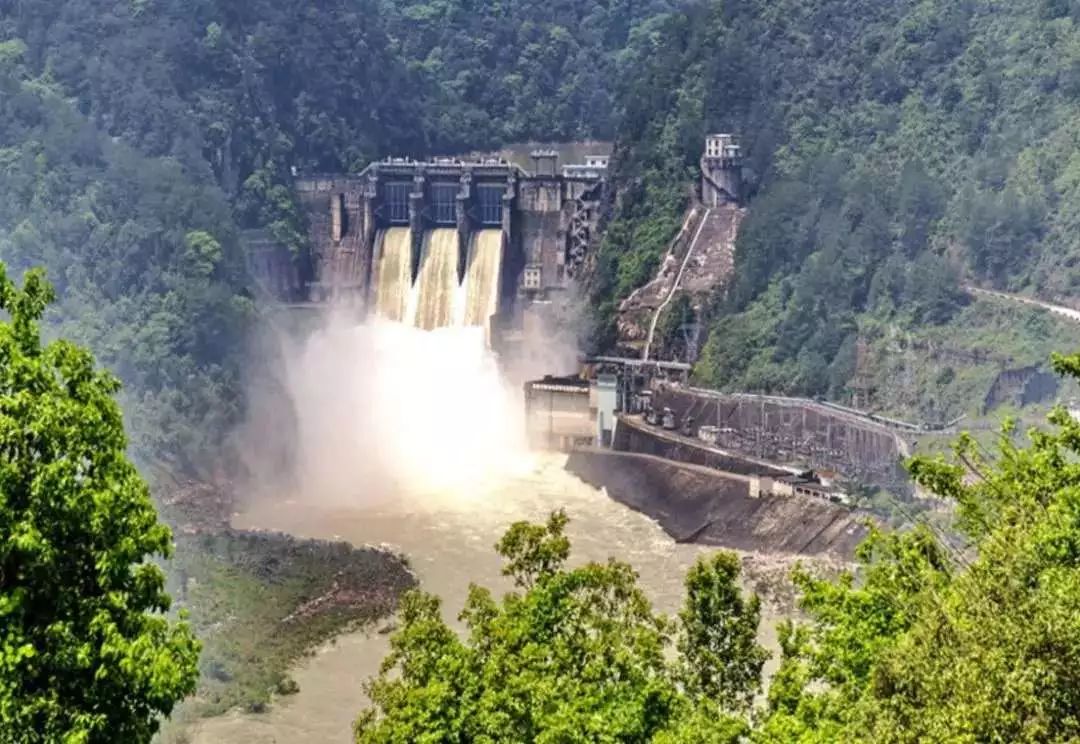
383,408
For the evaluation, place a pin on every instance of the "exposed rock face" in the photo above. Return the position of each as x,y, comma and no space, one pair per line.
709,236
697,504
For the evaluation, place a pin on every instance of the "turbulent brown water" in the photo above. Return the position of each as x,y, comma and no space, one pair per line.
449,538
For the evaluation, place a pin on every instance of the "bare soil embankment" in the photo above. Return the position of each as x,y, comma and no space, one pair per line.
701,505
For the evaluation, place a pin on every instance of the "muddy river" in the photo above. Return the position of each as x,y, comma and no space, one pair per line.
449,540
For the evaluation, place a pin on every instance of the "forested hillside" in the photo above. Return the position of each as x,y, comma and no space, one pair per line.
138,138
330,85
142,253
893,148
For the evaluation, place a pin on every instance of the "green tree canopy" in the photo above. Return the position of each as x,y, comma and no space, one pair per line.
722,660
935,644
86,654
574,655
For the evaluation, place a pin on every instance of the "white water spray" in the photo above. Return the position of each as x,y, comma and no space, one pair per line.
382,409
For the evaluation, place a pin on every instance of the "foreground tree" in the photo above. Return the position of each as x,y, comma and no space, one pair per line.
575,655
934,644
721,658
86,654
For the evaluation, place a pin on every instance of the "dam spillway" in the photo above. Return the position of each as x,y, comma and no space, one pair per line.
482,277
445,242
393,274
436,298
436,287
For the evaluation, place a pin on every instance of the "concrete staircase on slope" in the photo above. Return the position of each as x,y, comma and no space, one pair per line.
699,260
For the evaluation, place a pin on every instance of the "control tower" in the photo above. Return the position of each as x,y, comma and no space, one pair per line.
721,170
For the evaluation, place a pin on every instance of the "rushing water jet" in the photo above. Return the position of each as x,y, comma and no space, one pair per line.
482,277
393,273
436,299
436,285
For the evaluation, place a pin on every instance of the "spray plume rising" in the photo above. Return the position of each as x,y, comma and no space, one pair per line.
382,409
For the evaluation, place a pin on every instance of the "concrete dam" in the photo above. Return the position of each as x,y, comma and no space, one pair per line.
444,242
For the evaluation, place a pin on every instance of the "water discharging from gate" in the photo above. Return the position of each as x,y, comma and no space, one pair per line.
482,277
393,273
436,299
436,285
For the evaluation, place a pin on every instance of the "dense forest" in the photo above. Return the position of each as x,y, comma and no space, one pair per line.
142,252
893,150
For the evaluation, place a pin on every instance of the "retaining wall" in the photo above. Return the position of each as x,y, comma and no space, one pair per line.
697,504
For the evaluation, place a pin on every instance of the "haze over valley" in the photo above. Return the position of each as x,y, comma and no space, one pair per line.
431,370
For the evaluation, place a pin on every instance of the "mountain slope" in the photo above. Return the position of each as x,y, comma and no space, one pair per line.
892,148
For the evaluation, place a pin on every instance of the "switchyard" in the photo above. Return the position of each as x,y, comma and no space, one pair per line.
793,431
